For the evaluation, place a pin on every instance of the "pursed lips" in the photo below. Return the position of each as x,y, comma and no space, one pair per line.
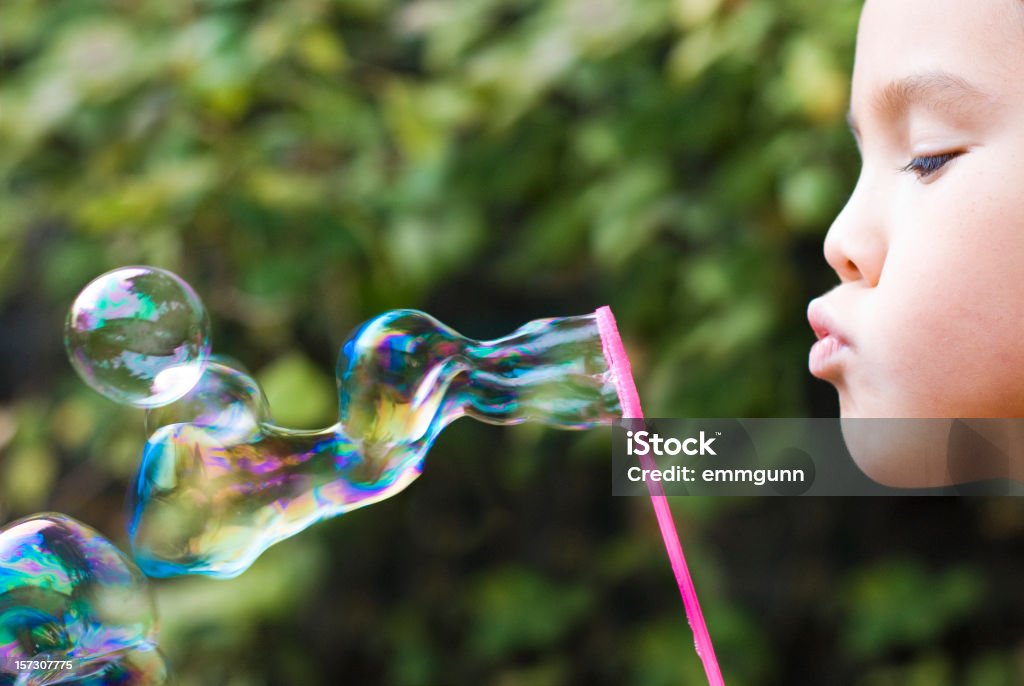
826,355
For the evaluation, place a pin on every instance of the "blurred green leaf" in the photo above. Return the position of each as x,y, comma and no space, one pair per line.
300,395
900,604
517,609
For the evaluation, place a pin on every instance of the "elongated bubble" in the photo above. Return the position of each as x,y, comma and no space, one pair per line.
219,482
73,608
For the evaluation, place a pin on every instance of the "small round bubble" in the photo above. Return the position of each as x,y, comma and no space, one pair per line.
225,400
138,335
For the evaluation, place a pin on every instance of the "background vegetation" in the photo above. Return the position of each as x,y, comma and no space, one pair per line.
307,164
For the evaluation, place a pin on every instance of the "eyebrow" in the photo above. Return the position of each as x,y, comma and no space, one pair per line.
937,90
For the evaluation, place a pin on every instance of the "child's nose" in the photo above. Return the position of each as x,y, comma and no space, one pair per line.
855,245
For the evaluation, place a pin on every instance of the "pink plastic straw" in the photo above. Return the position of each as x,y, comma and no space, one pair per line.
622,375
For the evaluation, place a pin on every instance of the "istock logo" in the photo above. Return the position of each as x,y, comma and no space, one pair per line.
647,443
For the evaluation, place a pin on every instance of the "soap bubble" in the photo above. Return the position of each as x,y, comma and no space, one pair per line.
219,482
73,608
225,399
138,335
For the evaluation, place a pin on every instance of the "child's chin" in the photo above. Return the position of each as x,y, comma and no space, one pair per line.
900,453
865,405
848,407
889,451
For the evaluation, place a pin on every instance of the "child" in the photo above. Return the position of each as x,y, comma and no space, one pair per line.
928,317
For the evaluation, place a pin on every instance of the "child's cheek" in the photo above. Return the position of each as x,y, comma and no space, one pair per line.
947,330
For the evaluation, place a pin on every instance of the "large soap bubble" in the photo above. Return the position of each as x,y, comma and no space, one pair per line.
139,336
219,483
73,609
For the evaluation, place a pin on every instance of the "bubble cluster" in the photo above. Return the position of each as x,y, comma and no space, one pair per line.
73,609
219,482
138,335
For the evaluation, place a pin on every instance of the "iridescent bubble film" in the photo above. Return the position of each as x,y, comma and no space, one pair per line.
219,482
138,335
73,608
225,398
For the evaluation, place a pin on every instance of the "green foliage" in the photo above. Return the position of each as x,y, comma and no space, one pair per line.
319,155
515,609
898,604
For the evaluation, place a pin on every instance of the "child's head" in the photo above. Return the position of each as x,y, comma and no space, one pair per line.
928,318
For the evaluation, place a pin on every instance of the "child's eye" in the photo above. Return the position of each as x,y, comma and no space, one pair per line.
929,164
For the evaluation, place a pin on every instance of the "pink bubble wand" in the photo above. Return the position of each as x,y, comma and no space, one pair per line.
618,363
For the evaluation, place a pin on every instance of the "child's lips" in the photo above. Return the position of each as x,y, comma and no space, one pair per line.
825,357
827,354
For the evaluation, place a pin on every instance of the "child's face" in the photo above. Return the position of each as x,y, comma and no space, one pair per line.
928,318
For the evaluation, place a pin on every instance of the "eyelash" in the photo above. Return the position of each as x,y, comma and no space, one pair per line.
926,165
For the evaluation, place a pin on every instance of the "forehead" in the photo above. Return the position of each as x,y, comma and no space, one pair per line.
981,42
